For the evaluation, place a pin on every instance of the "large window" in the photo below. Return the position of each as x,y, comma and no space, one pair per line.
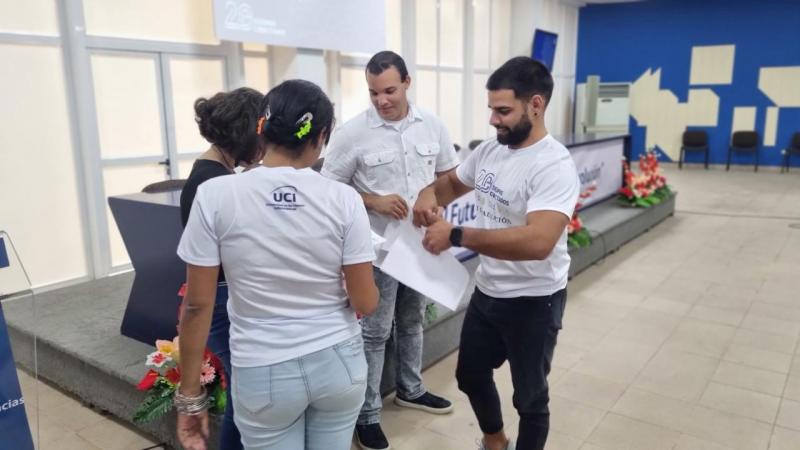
439,35
490,49
118,117
187,21
352,85
31,17
450,47
145,120
40,192
120,114
40,204
256,67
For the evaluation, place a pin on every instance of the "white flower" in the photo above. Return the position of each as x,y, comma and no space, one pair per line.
157,359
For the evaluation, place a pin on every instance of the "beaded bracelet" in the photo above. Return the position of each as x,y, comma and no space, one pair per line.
191,405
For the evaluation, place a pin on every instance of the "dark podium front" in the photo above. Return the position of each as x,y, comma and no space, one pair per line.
150,225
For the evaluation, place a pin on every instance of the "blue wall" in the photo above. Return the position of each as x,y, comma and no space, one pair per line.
619,42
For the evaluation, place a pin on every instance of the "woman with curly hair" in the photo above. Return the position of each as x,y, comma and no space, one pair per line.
228,122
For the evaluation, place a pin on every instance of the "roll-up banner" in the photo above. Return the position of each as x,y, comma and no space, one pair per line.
14,430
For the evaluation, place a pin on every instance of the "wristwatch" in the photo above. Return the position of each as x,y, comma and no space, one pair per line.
455,236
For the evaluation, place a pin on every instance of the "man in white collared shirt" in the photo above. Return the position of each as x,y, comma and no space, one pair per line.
388,153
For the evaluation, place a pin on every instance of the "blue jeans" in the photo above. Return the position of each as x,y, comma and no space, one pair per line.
229,438
405,308
306,403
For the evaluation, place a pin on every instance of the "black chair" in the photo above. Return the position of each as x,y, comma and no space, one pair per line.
792,149
743,142
474,143
164,186
694,141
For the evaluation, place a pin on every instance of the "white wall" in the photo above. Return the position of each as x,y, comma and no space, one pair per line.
562,19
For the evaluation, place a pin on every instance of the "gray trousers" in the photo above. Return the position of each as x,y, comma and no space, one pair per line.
405,308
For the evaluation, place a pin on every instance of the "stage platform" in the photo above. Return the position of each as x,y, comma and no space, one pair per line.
80,347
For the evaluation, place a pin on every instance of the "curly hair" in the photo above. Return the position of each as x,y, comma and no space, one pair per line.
228,120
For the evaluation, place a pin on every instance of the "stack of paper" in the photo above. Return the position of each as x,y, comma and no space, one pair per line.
441,277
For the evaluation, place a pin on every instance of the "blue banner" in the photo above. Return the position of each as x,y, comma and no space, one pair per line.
544,47
14,427
3,254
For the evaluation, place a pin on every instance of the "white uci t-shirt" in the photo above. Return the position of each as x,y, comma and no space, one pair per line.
509,184
283,236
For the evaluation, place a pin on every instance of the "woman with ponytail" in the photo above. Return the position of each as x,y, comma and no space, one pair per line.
287,238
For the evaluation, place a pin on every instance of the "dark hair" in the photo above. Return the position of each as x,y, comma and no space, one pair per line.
228,120
525,76
382,61
286,104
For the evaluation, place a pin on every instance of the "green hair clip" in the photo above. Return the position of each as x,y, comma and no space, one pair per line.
305,128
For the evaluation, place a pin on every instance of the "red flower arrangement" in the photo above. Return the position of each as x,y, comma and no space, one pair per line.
647,188
162,380
577,235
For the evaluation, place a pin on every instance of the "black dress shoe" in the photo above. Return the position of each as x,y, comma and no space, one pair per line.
371,437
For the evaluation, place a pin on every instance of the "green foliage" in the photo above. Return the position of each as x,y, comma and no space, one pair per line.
431,313
218,400
580,239
658,196
157,403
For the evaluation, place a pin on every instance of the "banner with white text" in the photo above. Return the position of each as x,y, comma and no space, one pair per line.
14,430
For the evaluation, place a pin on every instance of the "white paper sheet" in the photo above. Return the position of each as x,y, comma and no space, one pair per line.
441,277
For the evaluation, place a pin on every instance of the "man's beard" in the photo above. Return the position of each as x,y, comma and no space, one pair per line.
518,134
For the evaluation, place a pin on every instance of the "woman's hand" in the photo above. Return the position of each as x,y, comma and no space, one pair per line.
193,431
195,322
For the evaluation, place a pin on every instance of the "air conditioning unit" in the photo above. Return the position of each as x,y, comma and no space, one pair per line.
602,107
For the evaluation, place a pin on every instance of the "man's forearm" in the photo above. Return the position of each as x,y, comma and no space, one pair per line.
523,243
444,191
368,200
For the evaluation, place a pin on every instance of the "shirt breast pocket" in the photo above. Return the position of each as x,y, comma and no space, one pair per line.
426,155
380,168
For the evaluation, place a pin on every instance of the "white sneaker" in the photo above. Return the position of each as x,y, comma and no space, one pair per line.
509,446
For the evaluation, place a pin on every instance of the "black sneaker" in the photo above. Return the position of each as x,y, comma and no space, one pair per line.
371,437
426,402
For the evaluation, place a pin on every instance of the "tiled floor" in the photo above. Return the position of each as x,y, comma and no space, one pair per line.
66,424
685,339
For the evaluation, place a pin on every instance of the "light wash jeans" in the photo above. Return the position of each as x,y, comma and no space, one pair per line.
406,308
306,403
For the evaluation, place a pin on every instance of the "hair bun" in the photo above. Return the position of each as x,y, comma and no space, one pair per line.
288,124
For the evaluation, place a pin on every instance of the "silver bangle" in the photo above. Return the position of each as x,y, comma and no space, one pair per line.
191,405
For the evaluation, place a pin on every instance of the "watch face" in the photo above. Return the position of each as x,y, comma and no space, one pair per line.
455,236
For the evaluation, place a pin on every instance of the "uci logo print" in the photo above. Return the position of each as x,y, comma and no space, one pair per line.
285,198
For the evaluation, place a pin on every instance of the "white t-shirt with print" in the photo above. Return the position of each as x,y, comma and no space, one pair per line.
509,184
283,236
381,158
